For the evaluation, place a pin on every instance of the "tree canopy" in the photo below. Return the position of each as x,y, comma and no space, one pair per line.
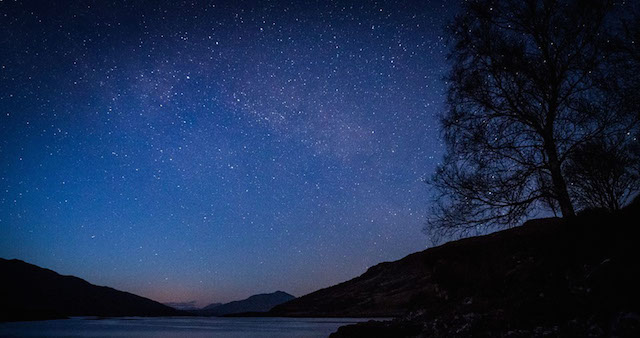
535,87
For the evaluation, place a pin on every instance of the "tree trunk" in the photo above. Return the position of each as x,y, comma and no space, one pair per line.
557,179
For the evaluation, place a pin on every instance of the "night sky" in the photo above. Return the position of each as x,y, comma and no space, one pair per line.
207,152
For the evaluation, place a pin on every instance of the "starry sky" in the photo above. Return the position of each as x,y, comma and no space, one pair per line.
210,150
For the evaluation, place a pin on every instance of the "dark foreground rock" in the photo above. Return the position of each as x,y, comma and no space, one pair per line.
547,278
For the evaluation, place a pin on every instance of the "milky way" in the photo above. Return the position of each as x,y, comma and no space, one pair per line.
184,151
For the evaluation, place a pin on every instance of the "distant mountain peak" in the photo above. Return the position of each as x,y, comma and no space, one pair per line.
262,302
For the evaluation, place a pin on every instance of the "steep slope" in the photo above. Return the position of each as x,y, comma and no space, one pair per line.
547,272
391,289
256,303
28,292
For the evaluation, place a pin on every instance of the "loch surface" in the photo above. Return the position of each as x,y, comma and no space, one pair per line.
177,327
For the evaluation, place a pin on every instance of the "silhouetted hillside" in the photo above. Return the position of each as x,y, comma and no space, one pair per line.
29,292
548,276
256,303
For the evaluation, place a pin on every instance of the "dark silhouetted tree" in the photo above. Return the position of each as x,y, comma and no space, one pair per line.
604,173
530,85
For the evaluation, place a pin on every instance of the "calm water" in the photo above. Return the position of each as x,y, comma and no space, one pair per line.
178,327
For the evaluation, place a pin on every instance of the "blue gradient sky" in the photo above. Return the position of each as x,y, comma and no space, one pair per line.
208,152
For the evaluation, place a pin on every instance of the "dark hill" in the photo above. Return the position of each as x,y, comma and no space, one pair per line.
559,277
28,292
256,303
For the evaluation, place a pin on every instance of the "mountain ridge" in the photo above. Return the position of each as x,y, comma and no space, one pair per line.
258,303
30,292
